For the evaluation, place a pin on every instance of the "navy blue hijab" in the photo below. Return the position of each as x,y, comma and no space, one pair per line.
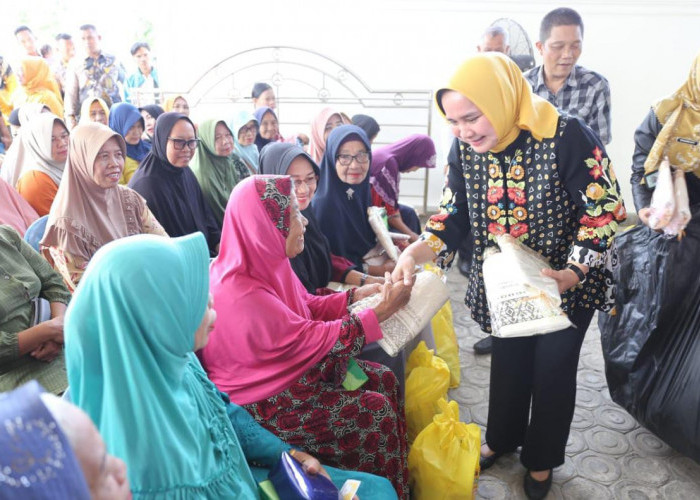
260,141
173,193
122,117
343,218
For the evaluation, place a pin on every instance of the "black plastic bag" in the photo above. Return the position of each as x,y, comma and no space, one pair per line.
651,344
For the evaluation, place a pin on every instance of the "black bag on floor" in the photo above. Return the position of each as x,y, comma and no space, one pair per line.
651,344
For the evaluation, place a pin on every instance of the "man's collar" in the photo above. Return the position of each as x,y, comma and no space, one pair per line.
571,80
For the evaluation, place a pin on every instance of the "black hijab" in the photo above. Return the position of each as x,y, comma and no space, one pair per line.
366,123
155,111
313,265
260,141
173,193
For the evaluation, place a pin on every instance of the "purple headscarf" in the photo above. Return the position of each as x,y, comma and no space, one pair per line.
417,150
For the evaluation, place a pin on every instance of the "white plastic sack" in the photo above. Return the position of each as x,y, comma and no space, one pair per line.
681,214
662,201
522,301
428,295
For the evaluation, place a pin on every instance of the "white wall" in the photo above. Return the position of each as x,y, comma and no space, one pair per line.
643,47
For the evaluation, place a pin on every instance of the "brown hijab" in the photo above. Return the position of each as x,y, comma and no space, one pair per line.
85,216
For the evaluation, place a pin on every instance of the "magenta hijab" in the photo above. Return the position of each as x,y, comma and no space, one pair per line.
417,150
265,337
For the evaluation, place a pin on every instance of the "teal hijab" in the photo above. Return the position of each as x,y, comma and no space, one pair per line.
129,334
250,153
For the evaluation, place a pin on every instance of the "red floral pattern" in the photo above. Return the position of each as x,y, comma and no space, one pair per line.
361,430
275,195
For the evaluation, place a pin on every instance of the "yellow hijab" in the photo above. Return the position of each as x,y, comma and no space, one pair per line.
85,109
495,84
680,116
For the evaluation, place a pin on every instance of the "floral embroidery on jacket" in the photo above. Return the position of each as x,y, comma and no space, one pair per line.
604,206
507,216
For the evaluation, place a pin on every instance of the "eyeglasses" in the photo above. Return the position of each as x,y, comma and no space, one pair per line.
345,160
252,129
179,144
223,138
310,182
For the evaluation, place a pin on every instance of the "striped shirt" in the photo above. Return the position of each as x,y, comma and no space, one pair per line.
585,94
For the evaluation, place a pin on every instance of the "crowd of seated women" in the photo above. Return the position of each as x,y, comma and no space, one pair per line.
196,259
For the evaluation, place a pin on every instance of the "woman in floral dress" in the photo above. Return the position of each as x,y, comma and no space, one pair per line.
283,354
545,179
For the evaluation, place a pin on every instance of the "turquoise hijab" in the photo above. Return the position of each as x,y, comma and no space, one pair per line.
129,334
250,153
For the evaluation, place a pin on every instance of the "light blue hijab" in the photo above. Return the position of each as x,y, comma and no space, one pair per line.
129,339
249,154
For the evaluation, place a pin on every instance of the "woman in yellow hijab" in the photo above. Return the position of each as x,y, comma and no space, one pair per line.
672,129
543,177
39,84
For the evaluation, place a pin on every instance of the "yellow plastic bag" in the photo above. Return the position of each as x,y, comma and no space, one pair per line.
445,338
446,342
444,460
428,378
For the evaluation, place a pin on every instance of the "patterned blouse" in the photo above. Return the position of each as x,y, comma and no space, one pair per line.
558,196
71,268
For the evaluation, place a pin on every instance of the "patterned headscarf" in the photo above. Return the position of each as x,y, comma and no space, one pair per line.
680,115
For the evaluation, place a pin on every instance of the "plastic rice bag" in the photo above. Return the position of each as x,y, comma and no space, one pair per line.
522,301
681,214
428,295
378,221
662,201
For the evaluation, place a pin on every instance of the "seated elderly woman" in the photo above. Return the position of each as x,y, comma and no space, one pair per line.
41,166
94,109
169,185
388,162
55,450
31,331
142,309
217,168
269,130
343,196
284,353
321,127
126,120
14,210
244,126
91,208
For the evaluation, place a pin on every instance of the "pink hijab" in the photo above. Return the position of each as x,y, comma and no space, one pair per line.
317,144
14,210
265,336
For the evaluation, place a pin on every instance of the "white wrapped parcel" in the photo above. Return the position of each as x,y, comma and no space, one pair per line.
522,301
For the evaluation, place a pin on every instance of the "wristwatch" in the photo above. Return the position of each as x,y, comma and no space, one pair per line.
577,270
